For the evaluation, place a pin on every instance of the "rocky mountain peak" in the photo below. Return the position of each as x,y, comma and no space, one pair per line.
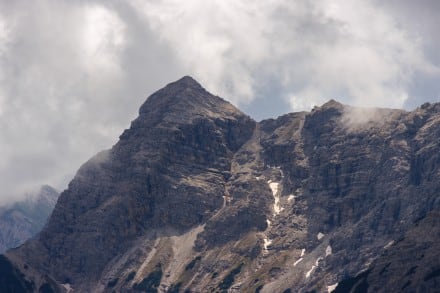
187,99
185,103
185,88
332,104
332,107
186,81
198,197
167,174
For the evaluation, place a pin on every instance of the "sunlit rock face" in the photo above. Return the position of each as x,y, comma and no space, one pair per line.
197,196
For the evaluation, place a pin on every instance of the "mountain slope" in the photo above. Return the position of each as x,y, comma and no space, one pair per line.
410,264
26,218
197,196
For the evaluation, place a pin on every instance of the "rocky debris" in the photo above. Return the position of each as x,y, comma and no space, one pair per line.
198,197
24,219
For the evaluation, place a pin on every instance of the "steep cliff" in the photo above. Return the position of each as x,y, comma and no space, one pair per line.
198,197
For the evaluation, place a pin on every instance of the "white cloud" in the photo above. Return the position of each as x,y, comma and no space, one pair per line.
4,38
59,67
73,73
221,42
102,38
369,61
4,34
352,51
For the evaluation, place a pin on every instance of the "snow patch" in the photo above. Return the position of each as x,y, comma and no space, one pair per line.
313,267
331,288
310,272
389,244
266,240
290,198
328,250
297,262
68,288
320,236
276,206
274,187
274,167
266,243
257,177
303,251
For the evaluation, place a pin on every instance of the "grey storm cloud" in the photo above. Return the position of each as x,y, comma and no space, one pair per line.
73,73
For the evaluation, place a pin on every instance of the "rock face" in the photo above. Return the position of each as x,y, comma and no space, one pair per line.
26,218
409,264
198,197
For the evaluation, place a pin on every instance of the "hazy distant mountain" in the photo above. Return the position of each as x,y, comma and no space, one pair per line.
198,197
26,218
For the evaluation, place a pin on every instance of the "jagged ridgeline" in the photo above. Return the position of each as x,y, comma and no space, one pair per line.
198,197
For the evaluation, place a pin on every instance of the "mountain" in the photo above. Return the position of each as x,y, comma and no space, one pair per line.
198,197
26,218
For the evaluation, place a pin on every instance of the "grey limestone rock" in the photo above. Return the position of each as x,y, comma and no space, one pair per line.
198,197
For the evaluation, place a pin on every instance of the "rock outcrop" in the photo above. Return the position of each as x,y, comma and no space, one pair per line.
198,197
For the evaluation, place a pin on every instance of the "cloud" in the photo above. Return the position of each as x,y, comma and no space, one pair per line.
221,42
69,85
354,51
73,73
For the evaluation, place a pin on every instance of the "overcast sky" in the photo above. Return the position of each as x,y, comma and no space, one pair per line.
74,73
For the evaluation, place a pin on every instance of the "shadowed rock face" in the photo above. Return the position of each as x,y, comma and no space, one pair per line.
409,264
197,196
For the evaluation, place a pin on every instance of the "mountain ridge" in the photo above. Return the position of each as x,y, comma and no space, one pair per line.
198,196
25,218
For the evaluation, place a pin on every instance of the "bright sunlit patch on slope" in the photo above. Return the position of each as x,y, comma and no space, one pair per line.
182,247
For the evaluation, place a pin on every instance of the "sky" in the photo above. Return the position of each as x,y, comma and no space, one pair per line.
74,73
